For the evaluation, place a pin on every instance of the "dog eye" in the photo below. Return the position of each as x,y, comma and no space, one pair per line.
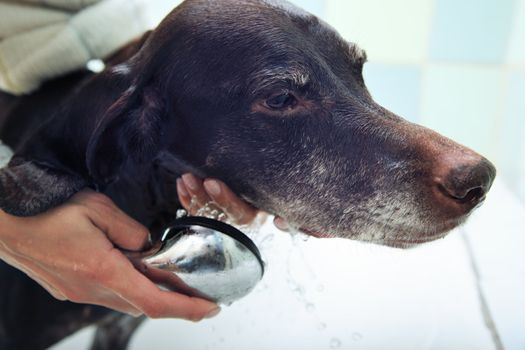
281,101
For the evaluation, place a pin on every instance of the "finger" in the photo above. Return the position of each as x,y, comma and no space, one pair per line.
237,210
121,229
145,296
115,302
184,196
196,190
62,287
172,281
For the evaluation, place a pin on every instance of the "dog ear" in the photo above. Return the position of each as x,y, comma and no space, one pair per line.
29,187
130,131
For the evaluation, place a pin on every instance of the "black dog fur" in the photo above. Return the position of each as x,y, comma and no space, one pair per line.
257,93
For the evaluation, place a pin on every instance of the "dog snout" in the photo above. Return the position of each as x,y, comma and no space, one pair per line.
465,182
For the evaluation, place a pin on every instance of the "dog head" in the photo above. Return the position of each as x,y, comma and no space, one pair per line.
272,101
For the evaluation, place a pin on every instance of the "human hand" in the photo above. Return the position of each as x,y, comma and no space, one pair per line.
72,251
218,193
213,191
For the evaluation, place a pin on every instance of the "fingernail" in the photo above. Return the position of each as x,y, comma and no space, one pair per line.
180,188
135,313
212,187
213,313
190,181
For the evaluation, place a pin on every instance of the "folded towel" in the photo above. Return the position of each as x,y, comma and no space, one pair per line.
62,4
40,40
5,154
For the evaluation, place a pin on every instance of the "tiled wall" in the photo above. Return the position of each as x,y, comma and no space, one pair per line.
457,66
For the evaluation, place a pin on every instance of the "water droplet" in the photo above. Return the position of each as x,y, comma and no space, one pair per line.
194,206
356,336
320,288
310,307
95,65
221,339
266,240
335,343
213,328
181,213
295,287
321,326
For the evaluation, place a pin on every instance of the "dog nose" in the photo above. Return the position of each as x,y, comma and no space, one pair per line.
467,183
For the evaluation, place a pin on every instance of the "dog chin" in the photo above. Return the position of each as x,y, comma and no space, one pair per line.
409,243
411,238
395,237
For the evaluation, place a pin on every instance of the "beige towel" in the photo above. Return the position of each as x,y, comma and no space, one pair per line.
5,154
40,40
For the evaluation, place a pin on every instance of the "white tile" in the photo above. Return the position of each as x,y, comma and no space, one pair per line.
154,11
511,143
497,236
516,45
389,31
506,300
313,6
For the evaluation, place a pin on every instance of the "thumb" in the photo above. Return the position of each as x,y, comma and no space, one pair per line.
121,230
127,233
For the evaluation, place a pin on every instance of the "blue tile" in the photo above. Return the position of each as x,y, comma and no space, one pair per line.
471,30
464,102
313,6
395,87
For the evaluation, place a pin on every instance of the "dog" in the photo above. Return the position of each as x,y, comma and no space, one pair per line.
257,93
